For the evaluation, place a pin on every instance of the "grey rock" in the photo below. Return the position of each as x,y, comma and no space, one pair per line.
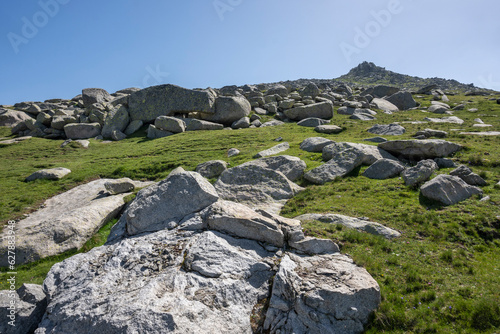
11,118
420,149
346,111
354,223
165,100
95,95
273,150
49,174
286,104
370,153
256,187
340,164
278,89
376,140
211,169
466,174
229,109
272,123
154,133
198,125
242,123
328,129
170,124
120,186
128,91
82,130
438,109
292,167
387,129
58,122
420,173
384,105
44,118
323,110
30,303
448,189
167,202
451,119
260,111
315,144
428,133
380,91
361,116
384,169
320,294
445,163
310,90
118,135
82,143
233,152
402,100
312,122
116,119
314,246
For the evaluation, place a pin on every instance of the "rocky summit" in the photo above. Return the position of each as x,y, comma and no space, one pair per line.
269,208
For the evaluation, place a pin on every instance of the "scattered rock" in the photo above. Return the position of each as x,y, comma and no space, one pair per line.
292,167
448,189
273,150
384,105
15,140
484,133
376,140
380,91
120,186
370,153
198,125
384,169
387,129
328,129
323,110
211,169
95,95
170,124
451,119
82,130
229,109
445,163
133,127
154,133
313,122
420,149
315,144
466,174
49,174
340,164
438,109
420,173
272,123
242,123
402,100
428,133
233,152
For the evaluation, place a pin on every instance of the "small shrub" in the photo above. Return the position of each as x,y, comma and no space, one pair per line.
447,256
486,314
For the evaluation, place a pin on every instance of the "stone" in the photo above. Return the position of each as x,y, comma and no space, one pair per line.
484,133
384,169
292,167
320,294
384,105
328,129
198,125
428,133
166,100
133,127
323,110
66,222
154,133
170,124
116,119
273,150
340,164
445,163
49,174
168,202
387,129
286,104
380,91
310,90
376,140
257,187
229,109
95,95
354,223
272,123
58,122
82,130
466,174
371,153
211,169
346,111
260,111
402,100
313,122
256,123
11,118
362,116
315,144
120,186
314,246
242,123
232,152
448,189
420,149
278,89
438,109
30,304
118,135
451,119
420,173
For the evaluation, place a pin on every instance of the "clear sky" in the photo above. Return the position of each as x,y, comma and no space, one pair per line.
54,48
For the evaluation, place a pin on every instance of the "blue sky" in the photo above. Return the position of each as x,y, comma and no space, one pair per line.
54,48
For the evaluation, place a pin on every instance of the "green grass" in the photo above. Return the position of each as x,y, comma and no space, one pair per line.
446,257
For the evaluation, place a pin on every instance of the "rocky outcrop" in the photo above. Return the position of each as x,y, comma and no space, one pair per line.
229,109
402,100
420,149
211,169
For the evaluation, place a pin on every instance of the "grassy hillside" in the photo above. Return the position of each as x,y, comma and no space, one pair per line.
441,276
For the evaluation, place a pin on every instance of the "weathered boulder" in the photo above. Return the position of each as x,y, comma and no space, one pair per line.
310,90
320,294
82,130
323,110
155,133
120,186
445,163
117,119
384,169
65,222
451,119
448,189
376,140
165,100
257,187
193,124
438,109
229,109
313,122
420,149
362,115
427,133
58,122
315,144
277,89
166,203
350,222
170,124
242,123
370,153
232,152
384,105
273,150
292,167
49,174
211,169
95,95
133,127
274,122
11,118
340,164
328,129
466,174
380,91
420,173
402,100
387,129
29,306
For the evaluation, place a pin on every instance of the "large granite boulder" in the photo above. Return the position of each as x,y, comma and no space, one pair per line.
384,169
49,174
165,100
315,144
273,150
420,149
292,167
82,130
402,100
211,169
229,109
448,189
384,105
323,110
117,119
170,124
387,129
341,163
370,153
466,174
95,95
11,118
420,173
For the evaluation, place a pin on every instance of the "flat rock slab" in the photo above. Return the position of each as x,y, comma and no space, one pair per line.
323,110
292,167
387,129
49,174
484,133
384,169
452,120
328,129
15,140
315,144
340,164
65,223
448,189
313,122
420,149
350,222
273,150
371,153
